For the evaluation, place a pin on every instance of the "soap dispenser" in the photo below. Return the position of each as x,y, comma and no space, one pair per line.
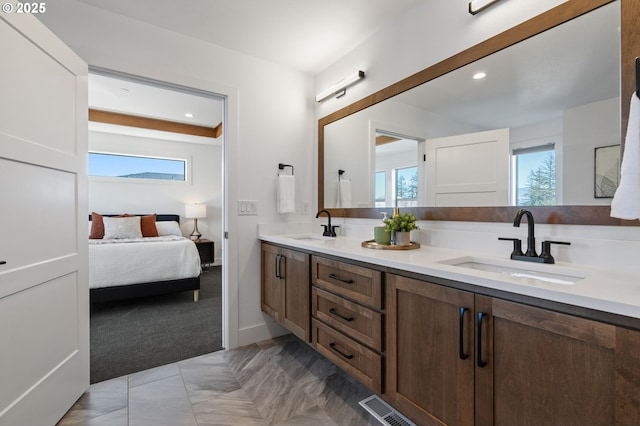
382,236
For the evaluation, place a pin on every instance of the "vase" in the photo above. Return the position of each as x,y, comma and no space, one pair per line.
403,238
382,236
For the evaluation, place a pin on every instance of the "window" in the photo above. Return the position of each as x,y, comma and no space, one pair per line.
380,188
535,176
406,186
137,167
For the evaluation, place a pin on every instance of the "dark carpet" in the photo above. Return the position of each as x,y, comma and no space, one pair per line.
133,335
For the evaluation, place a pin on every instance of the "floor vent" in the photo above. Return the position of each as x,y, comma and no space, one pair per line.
384,412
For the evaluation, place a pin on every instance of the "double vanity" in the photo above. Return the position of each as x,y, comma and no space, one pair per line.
454,337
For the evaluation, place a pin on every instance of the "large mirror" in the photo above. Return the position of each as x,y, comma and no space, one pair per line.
542,128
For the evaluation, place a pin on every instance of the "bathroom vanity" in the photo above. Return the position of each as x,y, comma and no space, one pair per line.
449,343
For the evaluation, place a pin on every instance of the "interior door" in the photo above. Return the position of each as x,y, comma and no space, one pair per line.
468,170
44,300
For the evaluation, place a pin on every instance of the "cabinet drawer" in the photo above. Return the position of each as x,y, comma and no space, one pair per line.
362,363
354,320
363,285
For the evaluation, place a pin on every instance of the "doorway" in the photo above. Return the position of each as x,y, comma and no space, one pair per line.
171,318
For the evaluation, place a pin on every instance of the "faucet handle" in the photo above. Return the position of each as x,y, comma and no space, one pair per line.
326,232
546,250
333,230
517,246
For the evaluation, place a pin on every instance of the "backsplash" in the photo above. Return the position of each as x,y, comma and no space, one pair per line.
610,247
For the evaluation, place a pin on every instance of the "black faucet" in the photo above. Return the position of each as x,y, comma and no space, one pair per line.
530,255
329,231
531,239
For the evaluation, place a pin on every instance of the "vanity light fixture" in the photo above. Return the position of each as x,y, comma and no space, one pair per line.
340,88
477,6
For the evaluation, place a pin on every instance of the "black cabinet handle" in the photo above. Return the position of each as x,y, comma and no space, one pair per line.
333,346
334,312
481,362
461,338
337,278
278,266
3,262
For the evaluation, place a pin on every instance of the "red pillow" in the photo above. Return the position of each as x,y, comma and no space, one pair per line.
97,227
148,226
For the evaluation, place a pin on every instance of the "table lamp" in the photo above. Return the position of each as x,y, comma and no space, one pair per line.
195,212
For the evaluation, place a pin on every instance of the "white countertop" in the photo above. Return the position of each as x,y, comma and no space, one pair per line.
610,291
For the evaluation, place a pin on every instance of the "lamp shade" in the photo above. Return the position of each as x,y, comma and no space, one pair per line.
195,211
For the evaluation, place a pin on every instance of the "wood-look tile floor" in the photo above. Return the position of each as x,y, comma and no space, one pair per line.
275,382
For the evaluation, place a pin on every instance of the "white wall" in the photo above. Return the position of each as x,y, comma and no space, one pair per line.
585,128
270,120
204,185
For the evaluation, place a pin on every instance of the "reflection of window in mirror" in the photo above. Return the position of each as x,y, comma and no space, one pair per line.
381,189
396,173
406,187
535,176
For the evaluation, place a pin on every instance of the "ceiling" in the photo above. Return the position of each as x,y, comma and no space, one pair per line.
308,35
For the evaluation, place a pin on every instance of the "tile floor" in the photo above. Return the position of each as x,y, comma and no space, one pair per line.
275,382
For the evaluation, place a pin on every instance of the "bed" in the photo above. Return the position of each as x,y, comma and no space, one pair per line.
123,264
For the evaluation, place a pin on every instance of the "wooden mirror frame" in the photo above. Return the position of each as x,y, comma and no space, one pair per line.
575,215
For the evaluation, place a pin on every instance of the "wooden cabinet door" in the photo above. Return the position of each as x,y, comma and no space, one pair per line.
296,315
430,361
544,368
272,288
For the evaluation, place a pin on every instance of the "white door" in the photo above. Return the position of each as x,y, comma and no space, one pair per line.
44,300
468,170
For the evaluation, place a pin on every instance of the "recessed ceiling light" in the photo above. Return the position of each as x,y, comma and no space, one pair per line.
479,75
188,115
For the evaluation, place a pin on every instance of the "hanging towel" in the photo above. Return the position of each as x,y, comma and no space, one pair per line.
626,201
344,193
286,194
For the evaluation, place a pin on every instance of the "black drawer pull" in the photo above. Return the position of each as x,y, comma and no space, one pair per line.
334,312
461,338
333,346
3,262
337,278
481,362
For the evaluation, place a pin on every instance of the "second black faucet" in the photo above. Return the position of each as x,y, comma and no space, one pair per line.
329,231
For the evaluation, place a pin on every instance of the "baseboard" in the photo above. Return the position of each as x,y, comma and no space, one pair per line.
259,332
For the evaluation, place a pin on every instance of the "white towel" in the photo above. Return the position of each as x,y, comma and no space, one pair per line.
286,194
344,193
626,201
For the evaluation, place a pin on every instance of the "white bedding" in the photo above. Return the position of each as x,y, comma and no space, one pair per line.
115,262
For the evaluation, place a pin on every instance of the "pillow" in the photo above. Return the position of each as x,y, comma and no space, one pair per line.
147,224
97,226
122,227
168,228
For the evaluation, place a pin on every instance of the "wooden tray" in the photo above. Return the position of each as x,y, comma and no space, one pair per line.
371,244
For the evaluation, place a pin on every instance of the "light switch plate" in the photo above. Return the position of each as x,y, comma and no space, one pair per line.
247,207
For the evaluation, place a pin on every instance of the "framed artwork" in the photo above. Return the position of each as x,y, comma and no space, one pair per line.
606,171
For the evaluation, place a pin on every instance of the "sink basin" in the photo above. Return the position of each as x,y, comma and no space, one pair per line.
307,237
519,269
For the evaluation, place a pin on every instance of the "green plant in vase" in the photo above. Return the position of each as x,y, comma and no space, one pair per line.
401,226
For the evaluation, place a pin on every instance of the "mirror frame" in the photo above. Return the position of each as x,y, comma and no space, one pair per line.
575,215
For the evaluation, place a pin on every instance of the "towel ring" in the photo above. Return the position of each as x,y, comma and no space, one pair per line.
281,166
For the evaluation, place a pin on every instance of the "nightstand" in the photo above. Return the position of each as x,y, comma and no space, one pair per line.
206,250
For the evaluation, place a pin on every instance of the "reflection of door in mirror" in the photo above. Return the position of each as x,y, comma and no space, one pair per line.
468,170
396,178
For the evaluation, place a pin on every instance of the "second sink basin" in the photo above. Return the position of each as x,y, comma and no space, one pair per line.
542,272
307,237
